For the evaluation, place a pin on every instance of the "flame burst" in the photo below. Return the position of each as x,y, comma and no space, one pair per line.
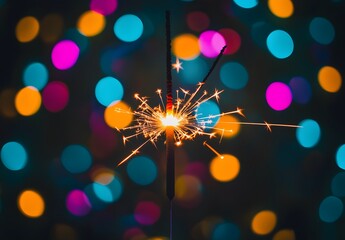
152,122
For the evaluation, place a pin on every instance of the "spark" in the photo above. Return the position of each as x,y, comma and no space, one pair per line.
152,122
177,65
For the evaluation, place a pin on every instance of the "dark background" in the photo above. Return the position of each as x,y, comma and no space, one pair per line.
276,172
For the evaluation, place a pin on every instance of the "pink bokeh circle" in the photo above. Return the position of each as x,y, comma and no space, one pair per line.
278,96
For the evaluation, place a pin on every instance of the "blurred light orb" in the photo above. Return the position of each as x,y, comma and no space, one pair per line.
186,47
322,30
207,114
77,203
36,75
188,190
308,135
338,185
225,169
51,27
246,3
280,44
55,96
109,192
128,28
228,126
147,213
65,54
278,96
104,7
27,29
234,75
76,158
198,21
330,210
330,79
28,101
340,157
264,222
301,90
232,40
91,23
7,107
108,90
193,71
142,170
281,8
118,115
14,156
284,234
226,231
31,204
211,43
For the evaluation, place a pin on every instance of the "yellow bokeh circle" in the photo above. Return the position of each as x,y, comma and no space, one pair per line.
228,126
91,23
264,222
118,115
28,101
186,46
27,29
225,168
31,204
281,8
187,188
330,79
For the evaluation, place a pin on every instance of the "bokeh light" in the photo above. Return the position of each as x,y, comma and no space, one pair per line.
281,8
278,96
207,114
193,71
301,90
104,7
211,43
330,79
31,203
338,185
91,23
188,191
55,96
308,135
246,3
51,27
128,28
14,156
232,40
226,231
27,29
264,222
65,54
198,21
78,203
234,75
147,212
7,107
284,234
185,46
76,158
28,101
108,192
36,75
108,90
280,44
118,115
331,208
225,168
322,30
228,126
340,157
142,170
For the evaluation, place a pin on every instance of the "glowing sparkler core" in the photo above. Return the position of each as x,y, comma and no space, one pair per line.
170,120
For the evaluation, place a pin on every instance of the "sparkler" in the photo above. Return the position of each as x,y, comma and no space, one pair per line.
178,118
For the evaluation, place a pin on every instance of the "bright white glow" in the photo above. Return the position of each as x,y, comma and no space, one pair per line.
170,120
